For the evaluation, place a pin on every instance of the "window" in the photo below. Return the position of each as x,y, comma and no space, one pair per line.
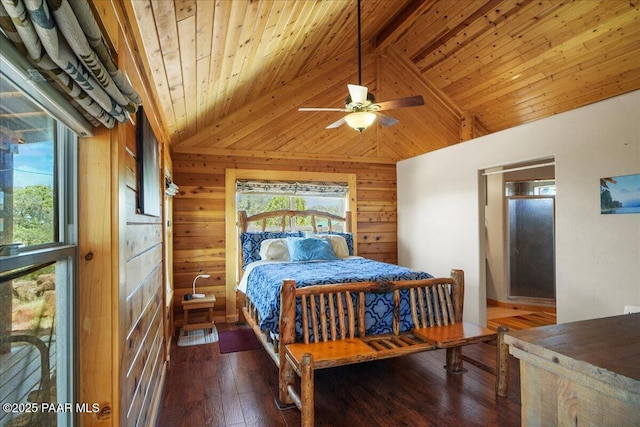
266,196
545,187
28,192
37,257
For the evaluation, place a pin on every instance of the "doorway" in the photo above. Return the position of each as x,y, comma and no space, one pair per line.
519,246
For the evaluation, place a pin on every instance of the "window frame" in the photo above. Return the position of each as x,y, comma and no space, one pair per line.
63,249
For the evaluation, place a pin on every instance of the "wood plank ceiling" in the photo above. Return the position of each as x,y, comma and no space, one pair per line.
229,75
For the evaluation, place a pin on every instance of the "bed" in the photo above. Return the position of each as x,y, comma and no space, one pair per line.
261,278
264,270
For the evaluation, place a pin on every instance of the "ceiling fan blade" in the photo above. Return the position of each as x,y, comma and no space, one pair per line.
411,101
386,120
358,93
321,109
336,124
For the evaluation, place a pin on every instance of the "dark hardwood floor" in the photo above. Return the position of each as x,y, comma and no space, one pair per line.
206,388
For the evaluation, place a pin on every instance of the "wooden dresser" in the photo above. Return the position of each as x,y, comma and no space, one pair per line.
581,373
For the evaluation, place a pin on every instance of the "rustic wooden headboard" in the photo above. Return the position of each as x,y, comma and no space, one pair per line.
287,219
288,223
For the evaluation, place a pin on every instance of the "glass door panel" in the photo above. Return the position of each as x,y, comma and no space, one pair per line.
531,247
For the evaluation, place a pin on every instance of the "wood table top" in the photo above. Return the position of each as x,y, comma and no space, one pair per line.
208,299
607,348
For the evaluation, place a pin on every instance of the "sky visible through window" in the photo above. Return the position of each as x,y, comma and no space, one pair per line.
33,165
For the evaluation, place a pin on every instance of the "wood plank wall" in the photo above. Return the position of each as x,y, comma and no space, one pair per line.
199,214
122,292
96,353
141,297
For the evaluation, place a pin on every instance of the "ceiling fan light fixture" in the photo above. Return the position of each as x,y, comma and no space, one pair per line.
360,120
361,104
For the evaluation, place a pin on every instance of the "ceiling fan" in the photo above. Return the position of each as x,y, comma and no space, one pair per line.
361,105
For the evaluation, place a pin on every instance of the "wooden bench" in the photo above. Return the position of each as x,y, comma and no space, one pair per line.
335,315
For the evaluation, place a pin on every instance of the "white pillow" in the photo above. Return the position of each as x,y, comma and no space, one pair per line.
338,243
274,249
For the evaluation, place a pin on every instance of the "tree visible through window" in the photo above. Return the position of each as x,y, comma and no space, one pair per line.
27,168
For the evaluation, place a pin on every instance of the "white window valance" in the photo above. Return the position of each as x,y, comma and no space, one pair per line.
337,189
64,43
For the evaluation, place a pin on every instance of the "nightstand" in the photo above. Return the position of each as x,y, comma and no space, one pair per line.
198,304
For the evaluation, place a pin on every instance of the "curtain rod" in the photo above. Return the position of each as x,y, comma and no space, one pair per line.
539,165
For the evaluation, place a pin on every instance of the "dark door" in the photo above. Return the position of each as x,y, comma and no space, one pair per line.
531,247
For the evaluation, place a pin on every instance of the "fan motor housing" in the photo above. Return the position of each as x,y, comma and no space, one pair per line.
348,103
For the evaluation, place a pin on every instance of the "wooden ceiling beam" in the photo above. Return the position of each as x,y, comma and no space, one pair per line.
427,50
400,23
427,85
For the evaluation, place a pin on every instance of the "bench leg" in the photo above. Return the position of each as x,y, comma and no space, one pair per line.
285,379
307,401
454,360
502,363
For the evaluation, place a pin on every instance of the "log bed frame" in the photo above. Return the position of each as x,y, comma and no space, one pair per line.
436,311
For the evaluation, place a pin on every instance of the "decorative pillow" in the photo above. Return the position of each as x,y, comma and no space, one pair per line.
251,241
338,243
347,236
274,249
310,249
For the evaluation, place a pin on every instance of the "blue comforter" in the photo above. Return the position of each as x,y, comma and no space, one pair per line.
264,282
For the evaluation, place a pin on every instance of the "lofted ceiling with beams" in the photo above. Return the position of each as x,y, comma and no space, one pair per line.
228,76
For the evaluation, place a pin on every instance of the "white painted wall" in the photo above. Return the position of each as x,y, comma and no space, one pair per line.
597,256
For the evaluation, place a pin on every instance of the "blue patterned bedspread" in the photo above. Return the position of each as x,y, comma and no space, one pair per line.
264,282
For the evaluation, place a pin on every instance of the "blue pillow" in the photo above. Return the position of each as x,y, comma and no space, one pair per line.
310,249
347,236
250,243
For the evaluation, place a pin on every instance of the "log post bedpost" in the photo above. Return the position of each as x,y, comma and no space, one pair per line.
307,391
347,222
502,355
243,224
242,221
454,354
287,336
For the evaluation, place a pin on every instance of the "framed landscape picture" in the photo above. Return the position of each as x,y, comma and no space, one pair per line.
620,194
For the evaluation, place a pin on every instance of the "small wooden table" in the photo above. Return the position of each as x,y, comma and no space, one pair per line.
198,304
580,373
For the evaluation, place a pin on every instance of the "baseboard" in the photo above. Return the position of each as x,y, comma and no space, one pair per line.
520,306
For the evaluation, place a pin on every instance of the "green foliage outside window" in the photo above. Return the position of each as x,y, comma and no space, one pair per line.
33,209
